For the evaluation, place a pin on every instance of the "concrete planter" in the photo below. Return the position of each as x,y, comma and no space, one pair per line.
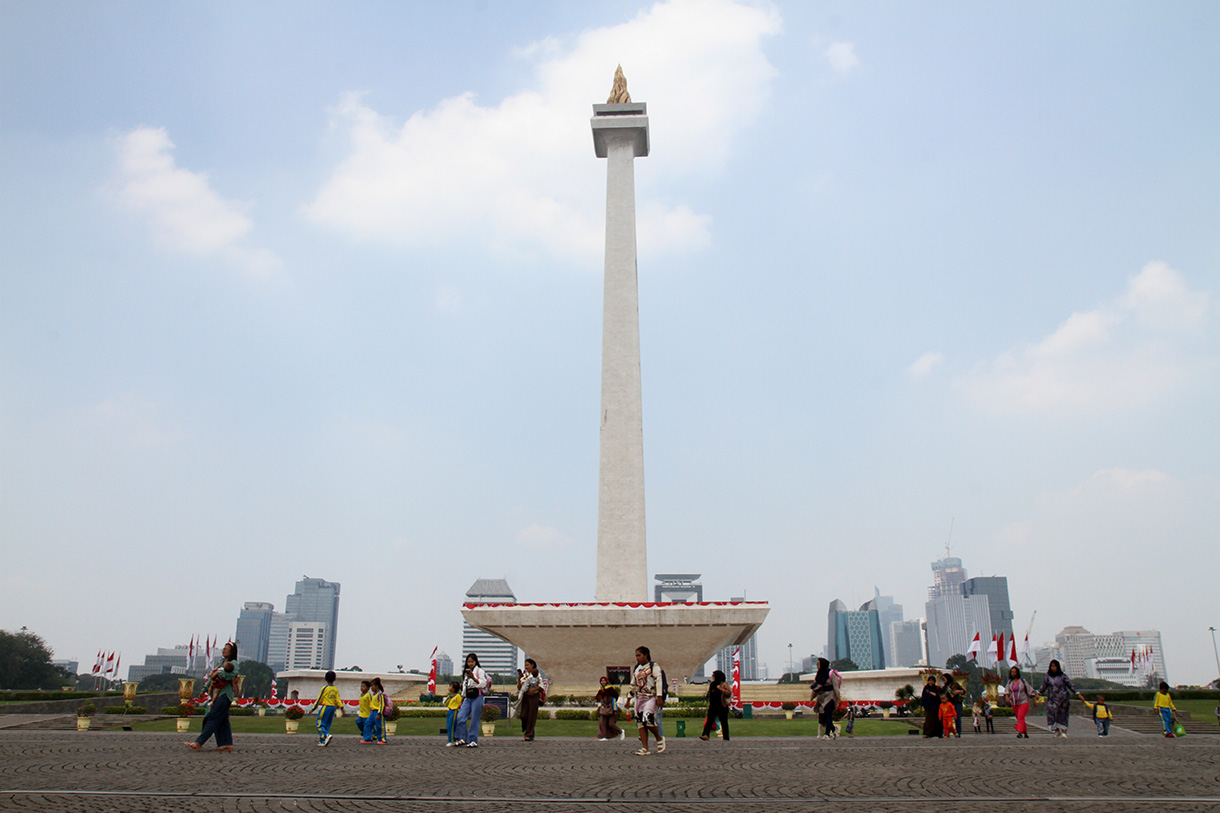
788,714
184,724
290,726
82,723
391,727
262,712
487,729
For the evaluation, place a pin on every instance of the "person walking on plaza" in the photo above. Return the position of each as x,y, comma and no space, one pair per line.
453,702
825,696
988,715
219,687
719,697
529,698
1020,694
976,715
374,732
929,701
1058,689
1101,715
607,712
365,708
1164,705
328,700
648,687
475,683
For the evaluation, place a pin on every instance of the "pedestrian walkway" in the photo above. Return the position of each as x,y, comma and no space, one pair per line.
117,771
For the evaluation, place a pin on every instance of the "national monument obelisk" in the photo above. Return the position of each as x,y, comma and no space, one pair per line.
620,135
574,642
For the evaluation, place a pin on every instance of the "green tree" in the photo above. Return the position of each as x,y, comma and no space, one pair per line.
844,665
25,662
258,677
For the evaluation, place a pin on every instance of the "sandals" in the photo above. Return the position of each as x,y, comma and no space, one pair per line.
661,747
643,752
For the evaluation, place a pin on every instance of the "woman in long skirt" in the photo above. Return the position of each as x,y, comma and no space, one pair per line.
929,700
1058,690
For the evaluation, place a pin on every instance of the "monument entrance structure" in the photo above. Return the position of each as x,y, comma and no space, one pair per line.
574,643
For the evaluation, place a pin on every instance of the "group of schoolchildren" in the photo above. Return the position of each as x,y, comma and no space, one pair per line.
373,705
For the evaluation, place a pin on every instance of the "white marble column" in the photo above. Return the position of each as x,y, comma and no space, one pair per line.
620,134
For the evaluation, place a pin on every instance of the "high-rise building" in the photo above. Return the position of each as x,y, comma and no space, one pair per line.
317,601
999,609
495,654
444,665
856,634
308,643
277,641
254,630
724,658
889,613
953,617
1083,654
906,640
167,661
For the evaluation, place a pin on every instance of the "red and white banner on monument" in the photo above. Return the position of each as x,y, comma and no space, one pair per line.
736,678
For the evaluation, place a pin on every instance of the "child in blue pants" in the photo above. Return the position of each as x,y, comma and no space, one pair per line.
329,700
453,702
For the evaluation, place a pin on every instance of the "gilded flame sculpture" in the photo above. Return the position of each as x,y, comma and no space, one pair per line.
618,93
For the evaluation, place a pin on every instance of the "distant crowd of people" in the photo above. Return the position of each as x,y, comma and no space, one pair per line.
941,701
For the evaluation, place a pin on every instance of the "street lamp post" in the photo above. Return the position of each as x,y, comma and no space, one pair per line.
790,667
1215,652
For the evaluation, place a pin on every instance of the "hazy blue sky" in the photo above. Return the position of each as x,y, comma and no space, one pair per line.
315,288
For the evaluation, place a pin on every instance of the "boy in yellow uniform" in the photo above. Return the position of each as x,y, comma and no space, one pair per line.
1163,703
373,732
329,700
1101,715
366,707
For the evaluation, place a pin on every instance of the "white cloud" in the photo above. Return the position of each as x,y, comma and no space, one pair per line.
187,214
536,537
521,176
1154,338
842,57
924,364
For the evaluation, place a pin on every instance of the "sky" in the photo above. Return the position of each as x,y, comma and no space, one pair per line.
315,289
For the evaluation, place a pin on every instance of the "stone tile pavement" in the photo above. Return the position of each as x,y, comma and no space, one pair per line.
124,771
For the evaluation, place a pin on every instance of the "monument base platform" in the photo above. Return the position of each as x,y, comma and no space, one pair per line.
574,643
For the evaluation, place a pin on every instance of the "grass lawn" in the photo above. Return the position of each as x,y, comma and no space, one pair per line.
430,726
1202,711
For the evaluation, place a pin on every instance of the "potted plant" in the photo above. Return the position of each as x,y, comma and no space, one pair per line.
789,708
292,719
489,717
185,712
83,714
261,707
886,705
391,720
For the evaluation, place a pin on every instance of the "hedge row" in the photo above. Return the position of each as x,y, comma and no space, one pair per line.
38,696
125,710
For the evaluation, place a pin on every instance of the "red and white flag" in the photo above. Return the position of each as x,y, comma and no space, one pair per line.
97,664
109,664
207,654
432,672
117,661
1025,650
1132,660
972,652
1000,648
1012,646
993,651
273,700
190,654
736,687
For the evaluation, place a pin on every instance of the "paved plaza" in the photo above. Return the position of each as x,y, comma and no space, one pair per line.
125,771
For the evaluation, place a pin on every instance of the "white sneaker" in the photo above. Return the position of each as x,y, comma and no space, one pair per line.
622,734
472,745
450,744
326,741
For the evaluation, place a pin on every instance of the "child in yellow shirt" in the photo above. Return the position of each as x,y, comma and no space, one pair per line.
1164,704
1101,715
329,700
373,731
366,706
453,702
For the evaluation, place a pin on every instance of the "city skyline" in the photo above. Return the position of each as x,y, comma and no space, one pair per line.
325,296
